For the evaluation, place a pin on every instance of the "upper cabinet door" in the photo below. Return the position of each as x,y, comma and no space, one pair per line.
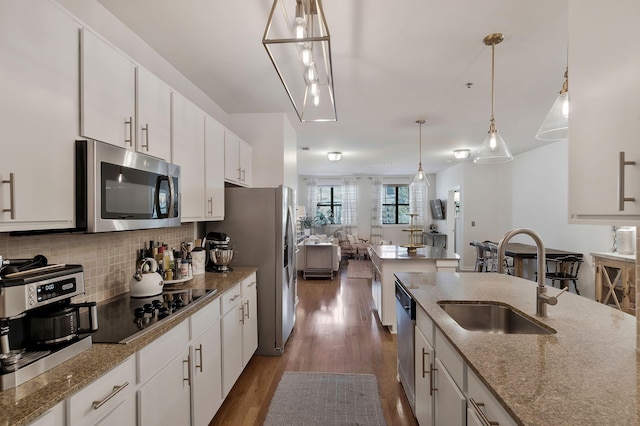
39,57
232,171
154,116
214,169
107,93
188,153
604,88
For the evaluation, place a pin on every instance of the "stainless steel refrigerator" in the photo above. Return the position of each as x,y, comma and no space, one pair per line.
261,225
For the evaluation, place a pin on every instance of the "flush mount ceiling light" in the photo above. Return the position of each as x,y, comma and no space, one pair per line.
298,43
334,156
494,149
461,154
556,124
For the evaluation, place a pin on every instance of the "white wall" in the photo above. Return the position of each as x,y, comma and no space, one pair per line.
540,202
270,135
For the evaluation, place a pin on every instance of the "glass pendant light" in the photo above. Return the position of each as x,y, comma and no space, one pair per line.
419,184
556,124
494,149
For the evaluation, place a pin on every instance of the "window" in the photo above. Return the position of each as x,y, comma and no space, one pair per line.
395,204
329,203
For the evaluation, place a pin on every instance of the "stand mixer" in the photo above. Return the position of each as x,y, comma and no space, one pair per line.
219,252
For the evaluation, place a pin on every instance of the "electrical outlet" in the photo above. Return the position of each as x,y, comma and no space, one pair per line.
473,223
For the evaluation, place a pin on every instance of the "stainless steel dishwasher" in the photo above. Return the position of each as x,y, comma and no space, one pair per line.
406,316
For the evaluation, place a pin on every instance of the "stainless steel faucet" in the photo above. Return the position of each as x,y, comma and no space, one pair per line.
542,300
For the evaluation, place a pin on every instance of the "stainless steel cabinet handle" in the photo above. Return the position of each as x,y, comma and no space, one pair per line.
199,350
432,388
235,296
483,417
188,362
12,199
621,197
246,313
244,176
239,173
116,389
242,314
129,123
424,356
145,129
210,202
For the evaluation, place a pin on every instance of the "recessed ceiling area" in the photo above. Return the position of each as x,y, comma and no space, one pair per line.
393,63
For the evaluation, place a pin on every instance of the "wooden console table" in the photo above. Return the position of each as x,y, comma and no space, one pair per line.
616,280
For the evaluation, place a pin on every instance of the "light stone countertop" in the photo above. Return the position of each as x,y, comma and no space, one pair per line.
615,256
586,374
25,403
397,252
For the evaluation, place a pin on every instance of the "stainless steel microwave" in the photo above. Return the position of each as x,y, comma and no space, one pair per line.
120,190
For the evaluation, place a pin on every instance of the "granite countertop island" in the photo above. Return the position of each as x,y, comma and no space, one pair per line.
25,403
397,252
586,373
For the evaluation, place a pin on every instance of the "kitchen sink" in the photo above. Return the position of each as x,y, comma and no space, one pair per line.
492,317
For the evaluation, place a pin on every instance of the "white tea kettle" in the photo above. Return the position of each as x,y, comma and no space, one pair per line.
146,283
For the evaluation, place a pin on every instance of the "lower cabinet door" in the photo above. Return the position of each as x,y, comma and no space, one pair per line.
165,398
206,392
450,403
231,348
424,356
123,414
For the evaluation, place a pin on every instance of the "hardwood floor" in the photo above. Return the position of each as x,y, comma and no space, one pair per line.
336,330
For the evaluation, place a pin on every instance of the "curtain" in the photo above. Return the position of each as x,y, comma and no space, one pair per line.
376,207
349,216
312,197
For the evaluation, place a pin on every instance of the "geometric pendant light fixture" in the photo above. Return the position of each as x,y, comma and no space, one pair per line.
494,149
556,124
298,43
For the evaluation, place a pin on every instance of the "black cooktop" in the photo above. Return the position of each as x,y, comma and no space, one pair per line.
124,319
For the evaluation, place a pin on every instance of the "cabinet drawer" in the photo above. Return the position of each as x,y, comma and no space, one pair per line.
231,299
424,323
248,283
111,389
450,358
205,318
161,351
489,405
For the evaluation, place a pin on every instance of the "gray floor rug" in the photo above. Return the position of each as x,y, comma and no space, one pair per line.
359,269
322,399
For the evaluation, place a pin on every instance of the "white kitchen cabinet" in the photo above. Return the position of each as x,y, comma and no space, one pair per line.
188,152
604,87
450,404
39,69
250,318
231,326
163,372
106,399
53,417
108,87
153,120
165,399
424,360
482,404
237,160
214,169
206,367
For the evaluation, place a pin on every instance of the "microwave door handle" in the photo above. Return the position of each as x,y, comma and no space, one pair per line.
157,200
171,196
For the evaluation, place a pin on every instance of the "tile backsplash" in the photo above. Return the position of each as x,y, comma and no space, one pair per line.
109,259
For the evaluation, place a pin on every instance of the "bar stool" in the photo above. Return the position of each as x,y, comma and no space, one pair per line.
564,269
480,258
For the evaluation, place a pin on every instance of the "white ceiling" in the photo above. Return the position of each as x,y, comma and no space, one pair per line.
393,62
